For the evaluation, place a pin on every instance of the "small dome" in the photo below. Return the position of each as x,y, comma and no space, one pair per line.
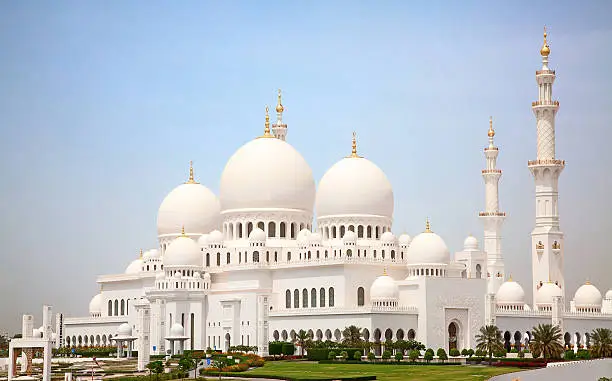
197,274
151,254
215,237
257,235
354,186
203,240
388,237
183,251
316,239
428,248
95,305
384,288
206,277
349,236
404,239
545,294
510,292
177,330
189,205
609,294
134,267
124,330
470,243
587,295
303,237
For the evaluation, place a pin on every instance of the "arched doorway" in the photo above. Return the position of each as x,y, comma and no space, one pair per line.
227,342
452,336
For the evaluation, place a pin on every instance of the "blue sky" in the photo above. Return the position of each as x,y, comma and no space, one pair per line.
103,104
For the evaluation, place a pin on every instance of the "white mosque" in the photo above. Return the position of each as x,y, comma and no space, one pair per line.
247,267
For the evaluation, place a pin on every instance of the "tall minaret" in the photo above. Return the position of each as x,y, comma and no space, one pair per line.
546,237
278,128
492,218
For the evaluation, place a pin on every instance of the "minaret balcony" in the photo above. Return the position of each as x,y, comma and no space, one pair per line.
546,162
548,71
492,214
545,103
484,171
491,149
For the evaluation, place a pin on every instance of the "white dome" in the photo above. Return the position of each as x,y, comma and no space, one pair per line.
257,235
546,293
95,305
182,251
206,277
190,205
124,330
510,292
177,330
134,267
203,240
303,237
470,243
215,238
384,288
267,173
427,248
587,295
151,254
609,294
354,186
404,239
349,236
388,237
316,239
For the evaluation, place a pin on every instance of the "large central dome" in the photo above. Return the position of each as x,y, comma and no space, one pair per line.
267,173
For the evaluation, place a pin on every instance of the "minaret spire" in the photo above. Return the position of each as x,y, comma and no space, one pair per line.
279,128
492,218
354,146
191,178
546,237
267,133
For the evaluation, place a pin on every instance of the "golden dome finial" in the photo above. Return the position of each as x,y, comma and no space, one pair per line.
587,281
545,51
267,133
385,271
183,231
140,254
279,105
354,146
491,132
191,179
427,226
510,278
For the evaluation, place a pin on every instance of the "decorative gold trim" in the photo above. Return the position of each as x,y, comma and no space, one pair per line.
191,179
545,51
183,231
267,133
427,226
279,105
491,132
354,146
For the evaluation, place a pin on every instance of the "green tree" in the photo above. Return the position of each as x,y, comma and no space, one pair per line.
219,363
428,356
186,363
602,342
351,337
547,341
371,356
156,367
399,356
357,355
414,355
386,355
331,355
300,340
489,340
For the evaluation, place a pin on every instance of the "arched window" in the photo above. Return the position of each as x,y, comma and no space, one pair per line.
349,253
305,298
249,228
360,231
283,230
288,256
110,308
271,229
239,228
207,259
392,254
116,307
296,298
256,256
342,231
218,259
127,307
275,256
322,297
360,296
334,232
292,230
228,258
287,299
478,271
313,297
331,296
267,256
369,231
261,225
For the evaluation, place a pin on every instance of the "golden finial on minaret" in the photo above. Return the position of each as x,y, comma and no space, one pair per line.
279,105
491,132
183,231
385,271
545,51
267,133
191,179
587,281
354,146
427,226
510,278
140,254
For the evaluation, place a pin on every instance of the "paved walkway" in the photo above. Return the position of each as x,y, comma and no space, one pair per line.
575,370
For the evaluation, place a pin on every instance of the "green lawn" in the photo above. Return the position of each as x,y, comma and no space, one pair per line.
382,372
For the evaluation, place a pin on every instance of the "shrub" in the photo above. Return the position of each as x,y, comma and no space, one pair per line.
514,350
455,352
464,352
470,352
583,354
399,356
331,355
429,350
288,349
275,348
414,355
428,355
371,356
386,355
357,355
480,353
569,355
344,355
521,354
441,353
500,354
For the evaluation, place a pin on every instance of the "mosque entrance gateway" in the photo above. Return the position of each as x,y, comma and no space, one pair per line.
452,336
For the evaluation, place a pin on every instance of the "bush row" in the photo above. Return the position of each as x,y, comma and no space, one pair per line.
317,354
276,377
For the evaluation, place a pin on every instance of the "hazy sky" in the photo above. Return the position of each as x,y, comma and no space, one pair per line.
103,104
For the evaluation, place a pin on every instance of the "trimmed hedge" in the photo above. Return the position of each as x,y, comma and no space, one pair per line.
317,354
388,362
276,377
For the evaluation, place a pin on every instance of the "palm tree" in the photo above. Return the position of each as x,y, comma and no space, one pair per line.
547,341
602,342
300,339
489,340
352,337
